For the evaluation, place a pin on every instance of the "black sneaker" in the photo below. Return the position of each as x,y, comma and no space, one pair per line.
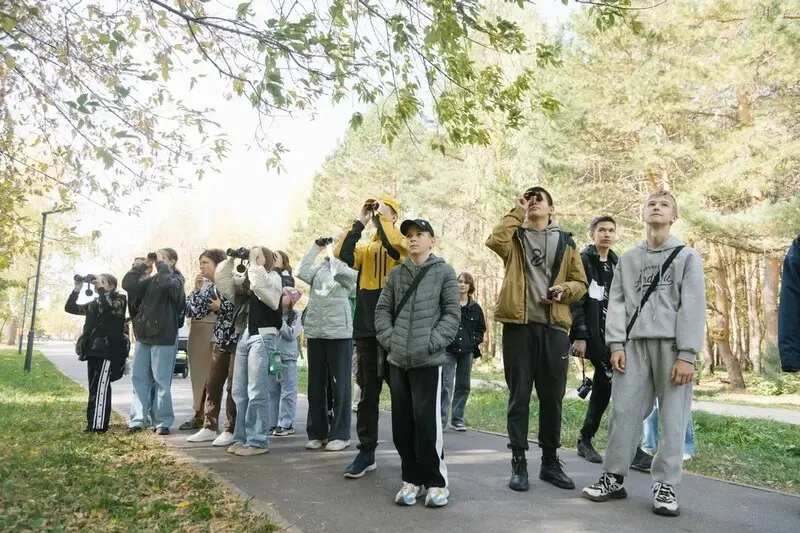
641,461
459,426
363,463
665,502
552,472
272,431
284,432
134,429
519,474
587,451
192,423
162,431
607,488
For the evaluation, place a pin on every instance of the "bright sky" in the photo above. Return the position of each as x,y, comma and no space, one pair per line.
266,201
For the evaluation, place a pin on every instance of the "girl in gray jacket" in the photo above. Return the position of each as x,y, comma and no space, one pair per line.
328,327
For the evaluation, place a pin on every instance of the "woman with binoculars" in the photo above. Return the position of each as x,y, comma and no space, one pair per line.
103,344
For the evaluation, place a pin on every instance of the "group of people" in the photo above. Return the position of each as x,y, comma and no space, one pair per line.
638,318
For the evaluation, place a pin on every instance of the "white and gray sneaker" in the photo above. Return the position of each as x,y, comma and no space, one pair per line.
409,494
664,500
607,488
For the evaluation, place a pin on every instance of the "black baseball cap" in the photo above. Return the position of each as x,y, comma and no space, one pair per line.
541,190
424,225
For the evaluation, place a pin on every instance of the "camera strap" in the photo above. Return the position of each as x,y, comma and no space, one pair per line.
413,287
583,370
652,287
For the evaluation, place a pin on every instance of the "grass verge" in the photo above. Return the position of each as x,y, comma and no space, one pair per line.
755,452
53,477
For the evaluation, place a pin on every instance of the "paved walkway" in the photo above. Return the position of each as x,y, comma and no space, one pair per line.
307,489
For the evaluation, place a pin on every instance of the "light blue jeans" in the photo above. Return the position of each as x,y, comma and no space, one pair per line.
250,374
283,394
650,433
151,379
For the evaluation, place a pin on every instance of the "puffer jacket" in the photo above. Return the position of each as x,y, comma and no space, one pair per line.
428,322
328,314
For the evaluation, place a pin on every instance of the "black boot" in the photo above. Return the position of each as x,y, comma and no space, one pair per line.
552,472
641,461
519,474
587,451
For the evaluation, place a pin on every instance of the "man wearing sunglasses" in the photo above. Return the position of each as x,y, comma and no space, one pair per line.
543,275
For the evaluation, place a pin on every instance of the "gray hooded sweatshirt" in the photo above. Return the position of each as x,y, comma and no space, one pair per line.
540,253
675,310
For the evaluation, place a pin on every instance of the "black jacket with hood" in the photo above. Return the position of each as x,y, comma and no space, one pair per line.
586,313
163,303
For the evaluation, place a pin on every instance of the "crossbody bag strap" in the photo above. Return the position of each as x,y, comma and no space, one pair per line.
652,287
413,287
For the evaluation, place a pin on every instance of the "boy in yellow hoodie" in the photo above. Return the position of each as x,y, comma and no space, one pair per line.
373,261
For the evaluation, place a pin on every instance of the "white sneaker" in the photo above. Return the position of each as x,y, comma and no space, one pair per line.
315,444
204,435
337,445
664,500
686,457
225,439
409,494
437,497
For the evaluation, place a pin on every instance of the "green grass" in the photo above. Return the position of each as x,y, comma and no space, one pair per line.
755,452
53,477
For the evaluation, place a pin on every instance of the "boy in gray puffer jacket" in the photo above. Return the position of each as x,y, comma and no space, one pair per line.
415,325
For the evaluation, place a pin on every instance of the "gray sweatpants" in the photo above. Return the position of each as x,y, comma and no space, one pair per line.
648,364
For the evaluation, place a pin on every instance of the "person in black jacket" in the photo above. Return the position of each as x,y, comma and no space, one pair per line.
102,345
156,328
460,354
789,312
588,333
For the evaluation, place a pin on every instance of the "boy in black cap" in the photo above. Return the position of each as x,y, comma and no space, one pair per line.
417,317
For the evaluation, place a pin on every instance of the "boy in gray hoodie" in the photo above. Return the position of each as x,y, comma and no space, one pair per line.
415,325
653,346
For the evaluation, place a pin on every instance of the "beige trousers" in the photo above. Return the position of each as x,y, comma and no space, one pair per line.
199,353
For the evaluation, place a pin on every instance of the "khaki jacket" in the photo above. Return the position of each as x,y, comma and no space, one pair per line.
511,308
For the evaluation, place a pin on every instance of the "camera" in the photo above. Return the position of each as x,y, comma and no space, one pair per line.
239,253
323,241
584,388
371,205
151,256
88,278
551,294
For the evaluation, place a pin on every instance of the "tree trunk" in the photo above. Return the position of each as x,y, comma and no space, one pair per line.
708,360
722,330
769,299
735,323
754,345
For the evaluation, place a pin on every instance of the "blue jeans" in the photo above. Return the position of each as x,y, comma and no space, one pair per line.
250,374
458,368
650,433
151,378
283,394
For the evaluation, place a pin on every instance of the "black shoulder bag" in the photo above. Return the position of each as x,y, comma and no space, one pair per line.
403,301
652,288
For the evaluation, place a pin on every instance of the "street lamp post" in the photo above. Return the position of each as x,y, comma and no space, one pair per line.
24,312
29,351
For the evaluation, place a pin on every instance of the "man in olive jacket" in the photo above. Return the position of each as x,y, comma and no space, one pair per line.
416,335
543,275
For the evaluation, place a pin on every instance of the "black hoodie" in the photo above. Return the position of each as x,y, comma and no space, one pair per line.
587,312
163,299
